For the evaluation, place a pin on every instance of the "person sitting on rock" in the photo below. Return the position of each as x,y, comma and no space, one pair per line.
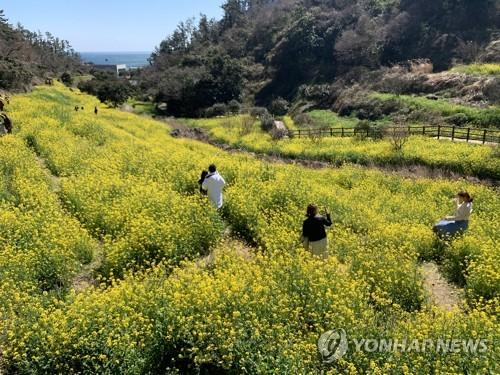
450,226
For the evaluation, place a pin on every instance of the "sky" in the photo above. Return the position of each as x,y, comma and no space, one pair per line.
108,25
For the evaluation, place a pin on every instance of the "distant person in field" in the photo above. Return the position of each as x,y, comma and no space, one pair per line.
314,236
95,110
1,105
213,184
5,124
204,175
458,223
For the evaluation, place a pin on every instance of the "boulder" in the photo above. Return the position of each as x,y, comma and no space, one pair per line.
279,130
491,53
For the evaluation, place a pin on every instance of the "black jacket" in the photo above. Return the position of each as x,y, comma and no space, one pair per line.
314,227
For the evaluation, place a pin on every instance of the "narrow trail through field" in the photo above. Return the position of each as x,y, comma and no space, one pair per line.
85,277
441,293
229,241
181,130
54,181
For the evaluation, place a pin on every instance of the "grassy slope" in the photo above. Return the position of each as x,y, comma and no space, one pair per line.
482,117
480,69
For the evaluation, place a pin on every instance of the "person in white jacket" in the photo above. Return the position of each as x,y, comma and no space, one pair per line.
213,184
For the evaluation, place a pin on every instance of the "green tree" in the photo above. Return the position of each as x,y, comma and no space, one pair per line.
67,79
115,92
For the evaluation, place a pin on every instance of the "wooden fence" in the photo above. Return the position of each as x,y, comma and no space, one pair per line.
453,133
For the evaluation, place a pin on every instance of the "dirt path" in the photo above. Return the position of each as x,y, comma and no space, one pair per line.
180,130
54,181
85,277
233,243
441,293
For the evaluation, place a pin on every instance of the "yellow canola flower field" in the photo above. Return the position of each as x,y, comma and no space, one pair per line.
126,187
468,159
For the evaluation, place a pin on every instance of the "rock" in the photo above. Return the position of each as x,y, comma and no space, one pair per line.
279,130
175,133
491,53
127,108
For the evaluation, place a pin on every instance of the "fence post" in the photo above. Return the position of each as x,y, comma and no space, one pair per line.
439,131
342,132
299,133
453,133
468,134
331,132
423,130
484,136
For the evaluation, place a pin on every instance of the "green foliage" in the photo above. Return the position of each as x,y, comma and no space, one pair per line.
486,118
234,107
67,79
481,69
108,89
279,107
25,55
303,120
327,119
267,122
258,112
297,49
218,109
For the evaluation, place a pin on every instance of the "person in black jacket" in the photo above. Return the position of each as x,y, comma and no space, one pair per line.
204,175
6,124
313,231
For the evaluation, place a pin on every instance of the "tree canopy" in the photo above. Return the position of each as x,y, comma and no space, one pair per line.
25,55
264,49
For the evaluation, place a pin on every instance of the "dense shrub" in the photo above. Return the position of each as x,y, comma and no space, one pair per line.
14,74
67,79
218,109
279,107
234,107
266,122
303,119
258,112
108,88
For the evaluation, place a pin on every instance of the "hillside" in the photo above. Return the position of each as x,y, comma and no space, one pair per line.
27,57
104,265
263,50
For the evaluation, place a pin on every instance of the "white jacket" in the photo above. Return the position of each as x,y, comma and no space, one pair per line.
213,184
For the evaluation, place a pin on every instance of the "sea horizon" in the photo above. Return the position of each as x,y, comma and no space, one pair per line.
133,59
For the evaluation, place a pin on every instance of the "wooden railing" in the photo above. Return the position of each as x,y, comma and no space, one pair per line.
454,133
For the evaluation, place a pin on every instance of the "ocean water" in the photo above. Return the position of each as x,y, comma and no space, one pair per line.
131,59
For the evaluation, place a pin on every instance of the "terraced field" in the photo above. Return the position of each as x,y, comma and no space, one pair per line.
113,199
